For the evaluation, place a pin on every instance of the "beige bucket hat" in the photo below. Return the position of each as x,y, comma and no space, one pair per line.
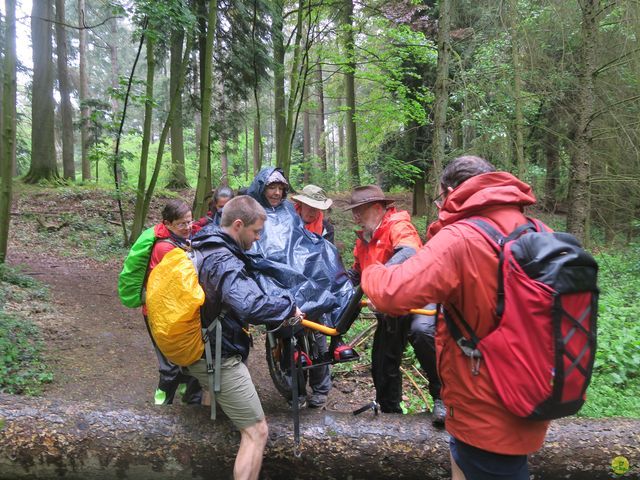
313,196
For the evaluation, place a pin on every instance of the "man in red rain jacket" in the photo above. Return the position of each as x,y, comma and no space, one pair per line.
389,237
457,268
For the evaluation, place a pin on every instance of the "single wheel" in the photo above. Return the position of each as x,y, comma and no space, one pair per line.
277,355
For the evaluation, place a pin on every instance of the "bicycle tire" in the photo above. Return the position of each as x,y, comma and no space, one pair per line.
279,375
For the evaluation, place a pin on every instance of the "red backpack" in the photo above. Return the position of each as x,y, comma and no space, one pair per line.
540,355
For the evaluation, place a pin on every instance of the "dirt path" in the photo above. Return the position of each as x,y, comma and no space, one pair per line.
98,350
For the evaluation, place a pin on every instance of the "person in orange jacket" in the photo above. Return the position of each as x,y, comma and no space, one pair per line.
457,268
311,203
389,237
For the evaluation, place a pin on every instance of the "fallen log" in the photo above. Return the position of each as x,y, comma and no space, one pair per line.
52,439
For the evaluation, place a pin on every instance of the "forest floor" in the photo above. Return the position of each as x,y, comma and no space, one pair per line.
97,349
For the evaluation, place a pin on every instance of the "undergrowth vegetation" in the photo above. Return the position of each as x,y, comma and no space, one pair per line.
22,368
615,386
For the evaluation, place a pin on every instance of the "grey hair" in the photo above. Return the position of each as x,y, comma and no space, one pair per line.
463,168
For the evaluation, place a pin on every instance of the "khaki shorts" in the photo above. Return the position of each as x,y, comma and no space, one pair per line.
237,397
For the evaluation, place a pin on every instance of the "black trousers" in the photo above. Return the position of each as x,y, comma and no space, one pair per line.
389,343
422,338
171,377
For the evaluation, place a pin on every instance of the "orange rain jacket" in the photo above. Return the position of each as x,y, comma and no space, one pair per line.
395,230
457,266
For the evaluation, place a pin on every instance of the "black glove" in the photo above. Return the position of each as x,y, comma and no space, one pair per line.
354,276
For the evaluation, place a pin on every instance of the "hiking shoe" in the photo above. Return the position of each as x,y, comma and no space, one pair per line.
316,400
160,397
438,413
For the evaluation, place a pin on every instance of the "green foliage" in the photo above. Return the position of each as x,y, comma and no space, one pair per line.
22,368
12,276
615,387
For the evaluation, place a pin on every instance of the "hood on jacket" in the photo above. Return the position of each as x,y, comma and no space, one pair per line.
161,231
213,237
257,187
479,194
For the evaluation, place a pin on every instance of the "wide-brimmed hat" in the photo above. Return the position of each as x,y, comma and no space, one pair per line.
313,196
367,194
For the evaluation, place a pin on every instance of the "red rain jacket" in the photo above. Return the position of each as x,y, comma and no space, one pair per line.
457,266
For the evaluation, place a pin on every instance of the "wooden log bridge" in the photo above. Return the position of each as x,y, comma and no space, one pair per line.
43,439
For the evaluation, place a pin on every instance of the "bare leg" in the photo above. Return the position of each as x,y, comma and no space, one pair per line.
253,439
456,473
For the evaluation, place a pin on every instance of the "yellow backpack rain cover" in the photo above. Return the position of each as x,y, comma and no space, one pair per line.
174,298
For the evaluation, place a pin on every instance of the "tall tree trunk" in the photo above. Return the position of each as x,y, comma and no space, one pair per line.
177,91
297,82
320,143
204,185
411,140
257,145
441,101
116,148
550,149
8,123
224,160
115,67
178,178
279,112
340,159
419,204
68,167
258,148
139,213
246,151
115,81
468,127
517,88
43,154
197,111
579,184
84,94
306,143
350,94
286,120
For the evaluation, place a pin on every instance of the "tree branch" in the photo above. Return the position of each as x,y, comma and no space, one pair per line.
83,27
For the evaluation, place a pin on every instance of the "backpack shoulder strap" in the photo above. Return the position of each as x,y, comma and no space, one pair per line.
497,238
213,359
492,234
539,225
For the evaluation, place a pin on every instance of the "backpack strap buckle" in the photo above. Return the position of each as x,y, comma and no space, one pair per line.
214,362
470,350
